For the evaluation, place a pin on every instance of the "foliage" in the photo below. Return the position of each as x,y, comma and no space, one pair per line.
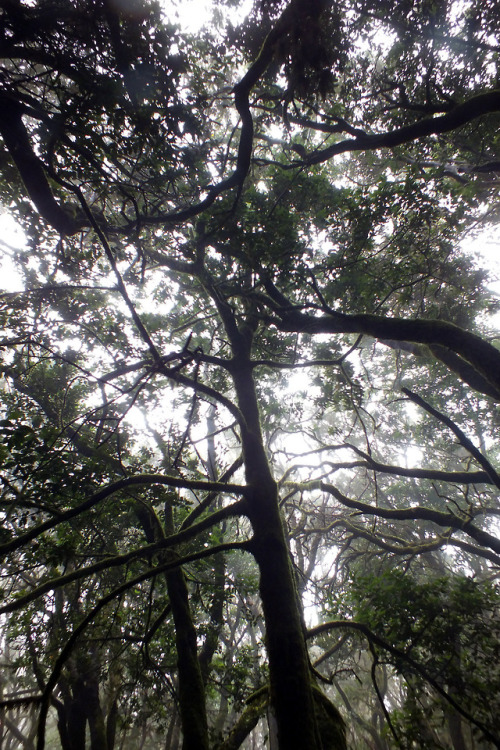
449,626
250,378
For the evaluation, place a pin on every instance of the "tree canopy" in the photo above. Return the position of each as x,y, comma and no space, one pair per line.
250,378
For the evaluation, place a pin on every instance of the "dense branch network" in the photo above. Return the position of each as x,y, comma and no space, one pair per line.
122,536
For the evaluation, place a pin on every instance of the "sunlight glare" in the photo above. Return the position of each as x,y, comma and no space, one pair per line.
11,238
193,15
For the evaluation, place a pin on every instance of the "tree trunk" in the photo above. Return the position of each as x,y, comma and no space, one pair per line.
111,723
219,568
290,681
72,719
192,707
455,729
172,741
97,725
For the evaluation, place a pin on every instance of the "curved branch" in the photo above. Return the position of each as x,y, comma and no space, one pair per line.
256,707
241,91
405,548
17,142
147,550
482,355
381,643
177,377
477,106
417,513
120,484
465,371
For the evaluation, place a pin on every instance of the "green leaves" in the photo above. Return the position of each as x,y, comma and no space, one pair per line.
241,245
445,624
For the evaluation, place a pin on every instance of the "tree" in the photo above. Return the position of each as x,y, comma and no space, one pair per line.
208,217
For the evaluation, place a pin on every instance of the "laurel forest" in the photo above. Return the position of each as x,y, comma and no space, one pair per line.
249,477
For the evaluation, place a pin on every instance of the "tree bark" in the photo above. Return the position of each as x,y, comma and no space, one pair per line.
289,674
97,725
192,707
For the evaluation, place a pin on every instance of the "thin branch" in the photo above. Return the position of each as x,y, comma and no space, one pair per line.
461,436
415,513
380,697
456,477
143,332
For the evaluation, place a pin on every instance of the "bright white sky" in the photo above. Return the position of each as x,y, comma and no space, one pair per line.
192,15
11,237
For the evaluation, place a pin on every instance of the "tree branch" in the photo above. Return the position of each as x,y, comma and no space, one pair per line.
401,655
111,489
462,437
31,169
456,477
480,354
477,106
415,513
147,550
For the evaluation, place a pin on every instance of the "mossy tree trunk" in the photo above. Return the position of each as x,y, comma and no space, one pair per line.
97,724
191,689
290,681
